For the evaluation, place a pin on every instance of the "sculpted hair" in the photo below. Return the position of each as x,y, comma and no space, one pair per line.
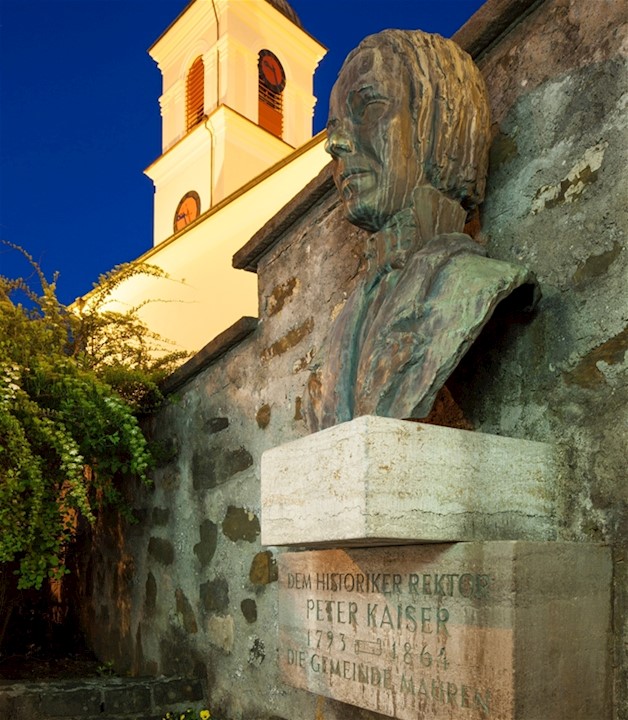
449,104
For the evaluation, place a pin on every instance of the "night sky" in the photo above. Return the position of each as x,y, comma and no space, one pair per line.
79,118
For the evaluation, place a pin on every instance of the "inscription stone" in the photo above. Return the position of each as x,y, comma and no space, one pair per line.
504,630
381,481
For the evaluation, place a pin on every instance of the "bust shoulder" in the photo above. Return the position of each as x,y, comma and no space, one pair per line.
470,276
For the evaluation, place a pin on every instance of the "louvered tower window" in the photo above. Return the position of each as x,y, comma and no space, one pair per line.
194,94
270,110
272,80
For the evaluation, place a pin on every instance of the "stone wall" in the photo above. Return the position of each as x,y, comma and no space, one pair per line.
105,697
189,589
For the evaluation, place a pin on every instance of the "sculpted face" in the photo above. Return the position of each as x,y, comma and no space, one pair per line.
371,138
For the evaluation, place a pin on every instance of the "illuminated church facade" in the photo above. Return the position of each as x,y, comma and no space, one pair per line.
237,108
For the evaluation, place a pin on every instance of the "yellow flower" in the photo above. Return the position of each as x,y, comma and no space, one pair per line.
204,715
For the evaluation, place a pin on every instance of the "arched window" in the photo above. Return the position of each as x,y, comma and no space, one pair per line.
272,80
194,94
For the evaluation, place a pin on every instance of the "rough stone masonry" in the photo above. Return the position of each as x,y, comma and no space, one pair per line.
190,589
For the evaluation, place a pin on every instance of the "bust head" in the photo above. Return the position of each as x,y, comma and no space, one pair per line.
409,109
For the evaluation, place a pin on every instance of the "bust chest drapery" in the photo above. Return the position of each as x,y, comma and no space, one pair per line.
408,132
404,329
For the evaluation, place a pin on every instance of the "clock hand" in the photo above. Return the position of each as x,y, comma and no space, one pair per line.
271,68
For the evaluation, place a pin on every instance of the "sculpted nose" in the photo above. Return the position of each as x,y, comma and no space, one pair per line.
338,142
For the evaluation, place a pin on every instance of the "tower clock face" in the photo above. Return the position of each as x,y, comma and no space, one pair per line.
271,72
188,209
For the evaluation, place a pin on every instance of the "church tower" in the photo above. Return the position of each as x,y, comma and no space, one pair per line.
237,98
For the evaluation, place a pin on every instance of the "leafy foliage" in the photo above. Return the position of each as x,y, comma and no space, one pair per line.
73,381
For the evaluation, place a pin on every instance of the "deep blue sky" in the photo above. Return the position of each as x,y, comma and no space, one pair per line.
79,118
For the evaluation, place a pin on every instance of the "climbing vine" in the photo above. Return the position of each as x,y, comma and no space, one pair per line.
73,382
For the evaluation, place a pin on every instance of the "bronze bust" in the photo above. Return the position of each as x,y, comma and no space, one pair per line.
409,134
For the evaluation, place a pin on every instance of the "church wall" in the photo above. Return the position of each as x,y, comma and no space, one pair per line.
189,589
203,295
173,182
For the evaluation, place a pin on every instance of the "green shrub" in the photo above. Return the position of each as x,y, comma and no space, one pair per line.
73,381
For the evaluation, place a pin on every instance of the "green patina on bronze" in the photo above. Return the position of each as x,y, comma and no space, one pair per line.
409,134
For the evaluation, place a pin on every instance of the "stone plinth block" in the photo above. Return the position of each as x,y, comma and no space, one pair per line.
378,481
498,630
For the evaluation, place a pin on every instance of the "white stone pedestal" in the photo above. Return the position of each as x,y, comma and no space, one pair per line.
375,481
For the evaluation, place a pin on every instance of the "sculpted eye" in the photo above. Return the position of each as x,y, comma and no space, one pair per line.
367,101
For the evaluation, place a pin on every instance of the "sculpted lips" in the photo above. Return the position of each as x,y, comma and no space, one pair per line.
349,175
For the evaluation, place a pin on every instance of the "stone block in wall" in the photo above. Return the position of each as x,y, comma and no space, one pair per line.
79,701
508,630
132,698
380,481
109,697
177,691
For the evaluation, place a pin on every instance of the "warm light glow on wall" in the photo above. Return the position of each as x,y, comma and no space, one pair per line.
205,295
